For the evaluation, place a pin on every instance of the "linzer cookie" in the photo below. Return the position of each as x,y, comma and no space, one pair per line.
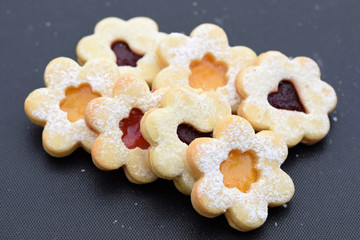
238,173
117,121
131,44
286,96
186,114
204,60
60,106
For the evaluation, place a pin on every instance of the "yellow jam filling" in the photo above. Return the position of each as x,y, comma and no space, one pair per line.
75,101
239,170
208,73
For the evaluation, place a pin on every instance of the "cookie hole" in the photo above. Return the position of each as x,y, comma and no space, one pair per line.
286,97
239,170
124,55
130,127
207,73
187,133
75,101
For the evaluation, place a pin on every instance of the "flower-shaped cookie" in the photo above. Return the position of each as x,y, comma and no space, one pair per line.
287,97
204,60
60,106
117,120
238,173
131,44
186,114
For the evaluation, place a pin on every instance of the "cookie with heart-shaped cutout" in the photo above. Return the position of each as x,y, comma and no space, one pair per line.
185,114
286,96
131,44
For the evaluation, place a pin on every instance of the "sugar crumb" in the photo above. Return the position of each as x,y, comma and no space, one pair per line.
276,224
115,221
82,170
284,205
218,21
335,119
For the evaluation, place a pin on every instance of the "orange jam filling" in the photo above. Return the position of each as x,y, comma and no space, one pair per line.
75,101
208,73
239,170
130,127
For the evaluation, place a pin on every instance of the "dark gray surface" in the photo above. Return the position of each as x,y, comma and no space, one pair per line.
46,198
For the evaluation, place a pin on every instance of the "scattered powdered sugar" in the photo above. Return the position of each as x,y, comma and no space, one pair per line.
140,33
317,97
206,39
105,115
272,186
60,74
181,105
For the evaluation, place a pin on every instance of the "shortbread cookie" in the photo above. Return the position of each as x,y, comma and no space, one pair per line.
117,121
131,44
286,96
186,114
60,106
238,173
204,60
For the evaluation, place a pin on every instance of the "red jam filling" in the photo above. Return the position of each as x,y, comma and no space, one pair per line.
286,97
130,127
188,133
124,55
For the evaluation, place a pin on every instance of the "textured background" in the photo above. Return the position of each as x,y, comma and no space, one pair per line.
68,198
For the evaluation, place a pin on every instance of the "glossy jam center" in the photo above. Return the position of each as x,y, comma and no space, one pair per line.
130,127
124,55
75,101
286,97
187,133
239,170
208,73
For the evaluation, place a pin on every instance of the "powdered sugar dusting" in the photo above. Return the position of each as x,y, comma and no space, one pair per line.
205,39
104,116
181,105
318,98
140,33
272,186
61,73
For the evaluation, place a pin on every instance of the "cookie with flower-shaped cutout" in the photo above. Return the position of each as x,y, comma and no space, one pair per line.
117,121
131,44
60,106
286,96
185,114
204,60
238,173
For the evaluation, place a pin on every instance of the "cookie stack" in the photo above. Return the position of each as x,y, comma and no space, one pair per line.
185,108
